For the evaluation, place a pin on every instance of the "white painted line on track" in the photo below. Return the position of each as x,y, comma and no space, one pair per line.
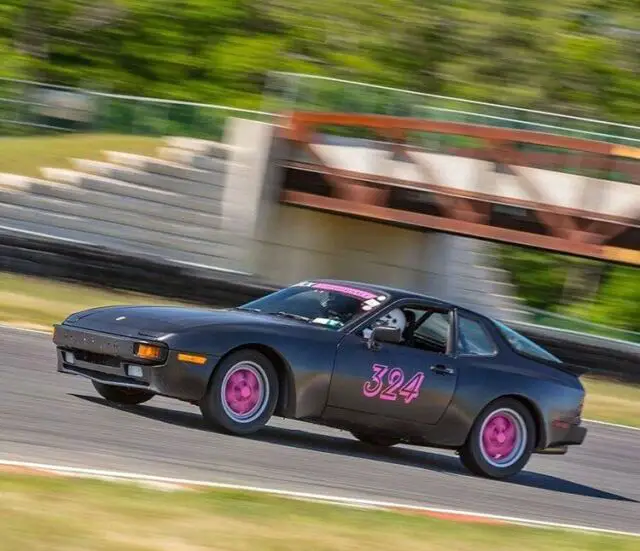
42,332
24,329
607,424
335,500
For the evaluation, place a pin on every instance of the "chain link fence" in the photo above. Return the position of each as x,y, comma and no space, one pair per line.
32,108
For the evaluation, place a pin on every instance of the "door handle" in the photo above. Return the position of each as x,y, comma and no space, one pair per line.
442,369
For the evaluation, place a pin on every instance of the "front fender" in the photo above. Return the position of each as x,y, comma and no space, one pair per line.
304,358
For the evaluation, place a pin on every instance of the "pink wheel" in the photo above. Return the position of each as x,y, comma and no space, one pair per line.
503,438
501,441
244,392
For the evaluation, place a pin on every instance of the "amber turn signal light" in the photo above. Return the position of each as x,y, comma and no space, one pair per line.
148,352
192,358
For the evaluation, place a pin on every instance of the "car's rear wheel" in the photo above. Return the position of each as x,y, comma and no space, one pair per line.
123,395
242,395
379,440
501,440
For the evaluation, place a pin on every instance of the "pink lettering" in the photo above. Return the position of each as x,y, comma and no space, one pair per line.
374,385
395,378
394,385
359,293
411,390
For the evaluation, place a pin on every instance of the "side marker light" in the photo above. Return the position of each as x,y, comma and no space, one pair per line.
192,358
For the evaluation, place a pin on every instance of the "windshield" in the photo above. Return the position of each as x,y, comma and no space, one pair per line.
525,346
327,304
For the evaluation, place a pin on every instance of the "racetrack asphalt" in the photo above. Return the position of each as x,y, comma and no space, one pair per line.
48,417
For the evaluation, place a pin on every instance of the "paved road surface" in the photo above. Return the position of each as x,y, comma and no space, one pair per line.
48,417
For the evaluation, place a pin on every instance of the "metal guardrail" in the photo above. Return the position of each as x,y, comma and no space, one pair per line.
28,108
40,106
577,326
67,260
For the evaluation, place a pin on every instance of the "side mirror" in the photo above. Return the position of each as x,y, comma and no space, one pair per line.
384,334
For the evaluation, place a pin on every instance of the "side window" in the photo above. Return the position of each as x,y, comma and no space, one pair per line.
422,328
473,338
433,332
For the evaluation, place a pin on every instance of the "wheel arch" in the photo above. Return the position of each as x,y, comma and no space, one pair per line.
286,391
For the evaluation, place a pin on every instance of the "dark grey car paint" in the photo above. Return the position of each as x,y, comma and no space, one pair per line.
323,370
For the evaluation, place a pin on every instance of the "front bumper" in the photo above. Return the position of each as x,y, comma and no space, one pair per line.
106,358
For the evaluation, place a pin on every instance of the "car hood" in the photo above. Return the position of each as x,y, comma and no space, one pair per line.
158,321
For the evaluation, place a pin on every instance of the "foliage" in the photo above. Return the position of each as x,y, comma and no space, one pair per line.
575,56
585,289
579,57
538,276
616,303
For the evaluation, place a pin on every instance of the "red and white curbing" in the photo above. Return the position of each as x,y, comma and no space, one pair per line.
180,484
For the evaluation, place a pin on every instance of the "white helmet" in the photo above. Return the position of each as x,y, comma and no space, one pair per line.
395,319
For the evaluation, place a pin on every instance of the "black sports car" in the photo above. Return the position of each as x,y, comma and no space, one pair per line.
388,365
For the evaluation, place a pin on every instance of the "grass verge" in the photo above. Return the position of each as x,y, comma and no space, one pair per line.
25,156
63,514
31,302
36,303
612,402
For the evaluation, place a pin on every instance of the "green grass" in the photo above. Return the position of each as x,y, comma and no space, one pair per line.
612,401
36,303
40,513
26,155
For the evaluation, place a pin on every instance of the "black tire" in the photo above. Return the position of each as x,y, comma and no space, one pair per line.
378,440
257,370
476,456
123,395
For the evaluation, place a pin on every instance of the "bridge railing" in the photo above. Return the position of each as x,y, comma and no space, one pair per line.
291,91
287,91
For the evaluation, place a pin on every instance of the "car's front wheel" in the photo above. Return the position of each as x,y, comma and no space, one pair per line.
501,440
242,395
123,395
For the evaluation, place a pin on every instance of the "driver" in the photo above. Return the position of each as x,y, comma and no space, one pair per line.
394,319
340,307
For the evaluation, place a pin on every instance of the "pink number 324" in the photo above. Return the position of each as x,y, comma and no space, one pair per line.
394,384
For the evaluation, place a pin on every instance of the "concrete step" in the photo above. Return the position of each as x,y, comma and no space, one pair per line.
154,205
193,160
13,182
161,167
208,148
125,218
219,248
212,191
130,246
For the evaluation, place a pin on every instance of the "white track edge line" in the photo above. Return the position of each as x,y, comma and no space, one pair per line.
42,332
615,425
24,329
338,500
